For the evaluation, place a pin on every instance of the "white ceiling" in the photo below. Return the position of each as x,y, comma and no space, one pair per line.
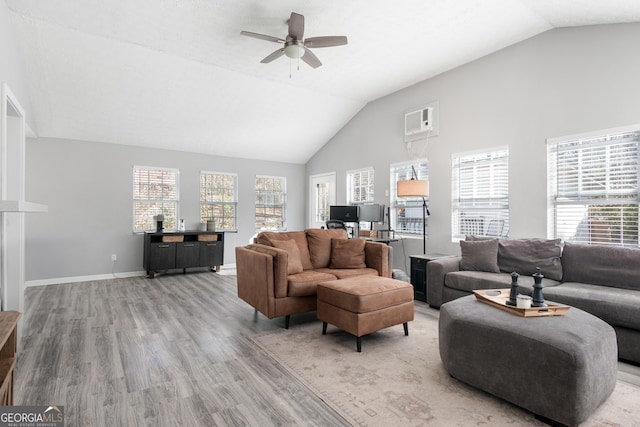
177,74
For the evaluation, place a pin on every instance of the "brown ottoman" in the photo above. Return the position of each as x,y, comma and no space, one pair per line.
365,304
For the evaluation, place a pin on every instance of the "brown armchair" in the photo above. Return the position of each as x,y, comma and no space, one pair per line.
278,275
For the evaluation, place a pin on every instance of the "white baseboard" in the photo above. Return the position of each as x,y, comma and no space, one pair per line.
226,268
76,279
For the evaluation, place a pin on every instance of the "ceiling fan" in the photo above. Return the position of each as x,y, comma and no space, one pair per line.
295,46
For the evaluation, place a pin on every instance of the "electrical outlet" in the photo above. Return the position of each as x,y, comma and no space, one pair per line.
113,257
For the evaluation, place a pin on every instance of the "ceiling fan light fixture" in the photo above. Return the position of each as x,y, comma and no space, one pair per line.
296,47
294,51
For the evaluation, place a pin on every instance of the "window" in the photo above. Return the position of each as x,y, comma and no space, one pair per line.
593,188
219,200
271,196
480,193
406,212
155,191
322,201
360,186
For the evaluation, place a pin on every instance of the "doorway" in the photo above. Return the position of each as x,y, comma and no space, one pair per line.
12,224
322,194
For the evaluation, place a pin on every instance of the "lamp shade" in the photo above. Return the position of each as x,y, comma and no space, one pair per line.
413,188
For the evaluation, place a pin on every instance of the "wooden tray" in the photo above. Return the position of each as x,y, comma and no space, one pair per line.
499,297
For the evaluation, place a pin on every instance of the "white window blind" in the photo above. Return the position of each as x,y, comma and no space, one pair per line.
480,193
406,212
360,188
155,191
593,188
219,200
271,197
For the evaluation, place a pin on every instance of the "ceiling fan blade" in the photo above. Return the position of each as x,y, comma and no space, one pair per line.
262,36
326,41
275,55
311,59
296,26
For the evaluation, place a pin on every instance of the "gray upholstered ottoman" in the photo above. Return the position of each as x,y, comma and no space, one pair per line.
561,368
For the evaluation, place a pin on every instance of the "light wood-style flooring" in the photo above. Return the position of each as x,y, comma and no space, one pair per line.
168,351
157,352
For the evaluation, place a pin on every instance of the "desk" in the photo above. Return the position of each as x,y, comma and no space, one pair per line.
387,241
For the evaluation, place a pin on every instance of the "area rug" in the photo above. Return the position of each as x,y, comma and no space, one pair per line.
399,380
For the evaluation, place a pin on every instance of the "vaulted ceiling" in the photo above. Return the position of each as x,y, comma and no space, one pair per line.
177,74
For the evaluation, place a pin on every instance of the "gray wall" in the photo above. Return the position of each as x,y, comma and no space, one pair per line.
562,82
11,65
88,188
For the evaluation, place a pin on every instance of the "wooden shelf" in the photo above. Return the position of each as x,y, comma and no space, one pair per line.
8,347
22,206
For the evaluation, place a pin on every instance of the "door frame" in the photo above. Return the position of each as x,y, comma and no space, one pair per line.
314,180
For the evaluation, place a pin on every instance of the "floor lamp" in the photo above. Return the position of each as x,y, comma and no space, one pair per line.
415,187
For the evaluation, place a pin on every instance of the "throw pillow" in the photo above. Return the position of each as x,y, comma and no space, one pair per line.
473,237
320,245
479,255
294,264
524,255
300,237
347,253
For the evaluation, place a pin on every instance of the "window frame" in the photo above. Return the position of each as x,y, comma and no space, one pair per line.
487,198
162,201
272,194
595,189
234,203
368,189
413,227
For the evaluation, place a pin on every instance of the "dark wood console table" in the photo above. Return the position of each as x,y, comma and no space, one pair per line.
183,249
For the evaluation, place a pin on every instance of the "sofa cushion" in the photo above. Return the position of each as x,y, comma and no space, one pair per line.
480,255
320,245
294,265
300,237
617,307
524,255
468,281
366,294
602,265
347,253
345,273
306,283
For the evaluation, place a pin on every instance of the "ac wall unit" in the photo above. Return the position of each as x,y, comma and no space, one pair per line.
418,121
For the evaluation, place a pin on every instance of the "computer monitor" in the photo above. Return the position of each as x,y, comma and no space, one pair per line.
371,213
344,213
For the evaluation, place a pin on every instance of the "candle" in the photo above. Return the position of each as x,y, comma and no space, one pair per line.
524,301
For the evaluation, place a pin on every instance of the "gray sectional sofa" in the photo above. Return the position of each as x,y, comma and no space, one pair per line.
601,280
